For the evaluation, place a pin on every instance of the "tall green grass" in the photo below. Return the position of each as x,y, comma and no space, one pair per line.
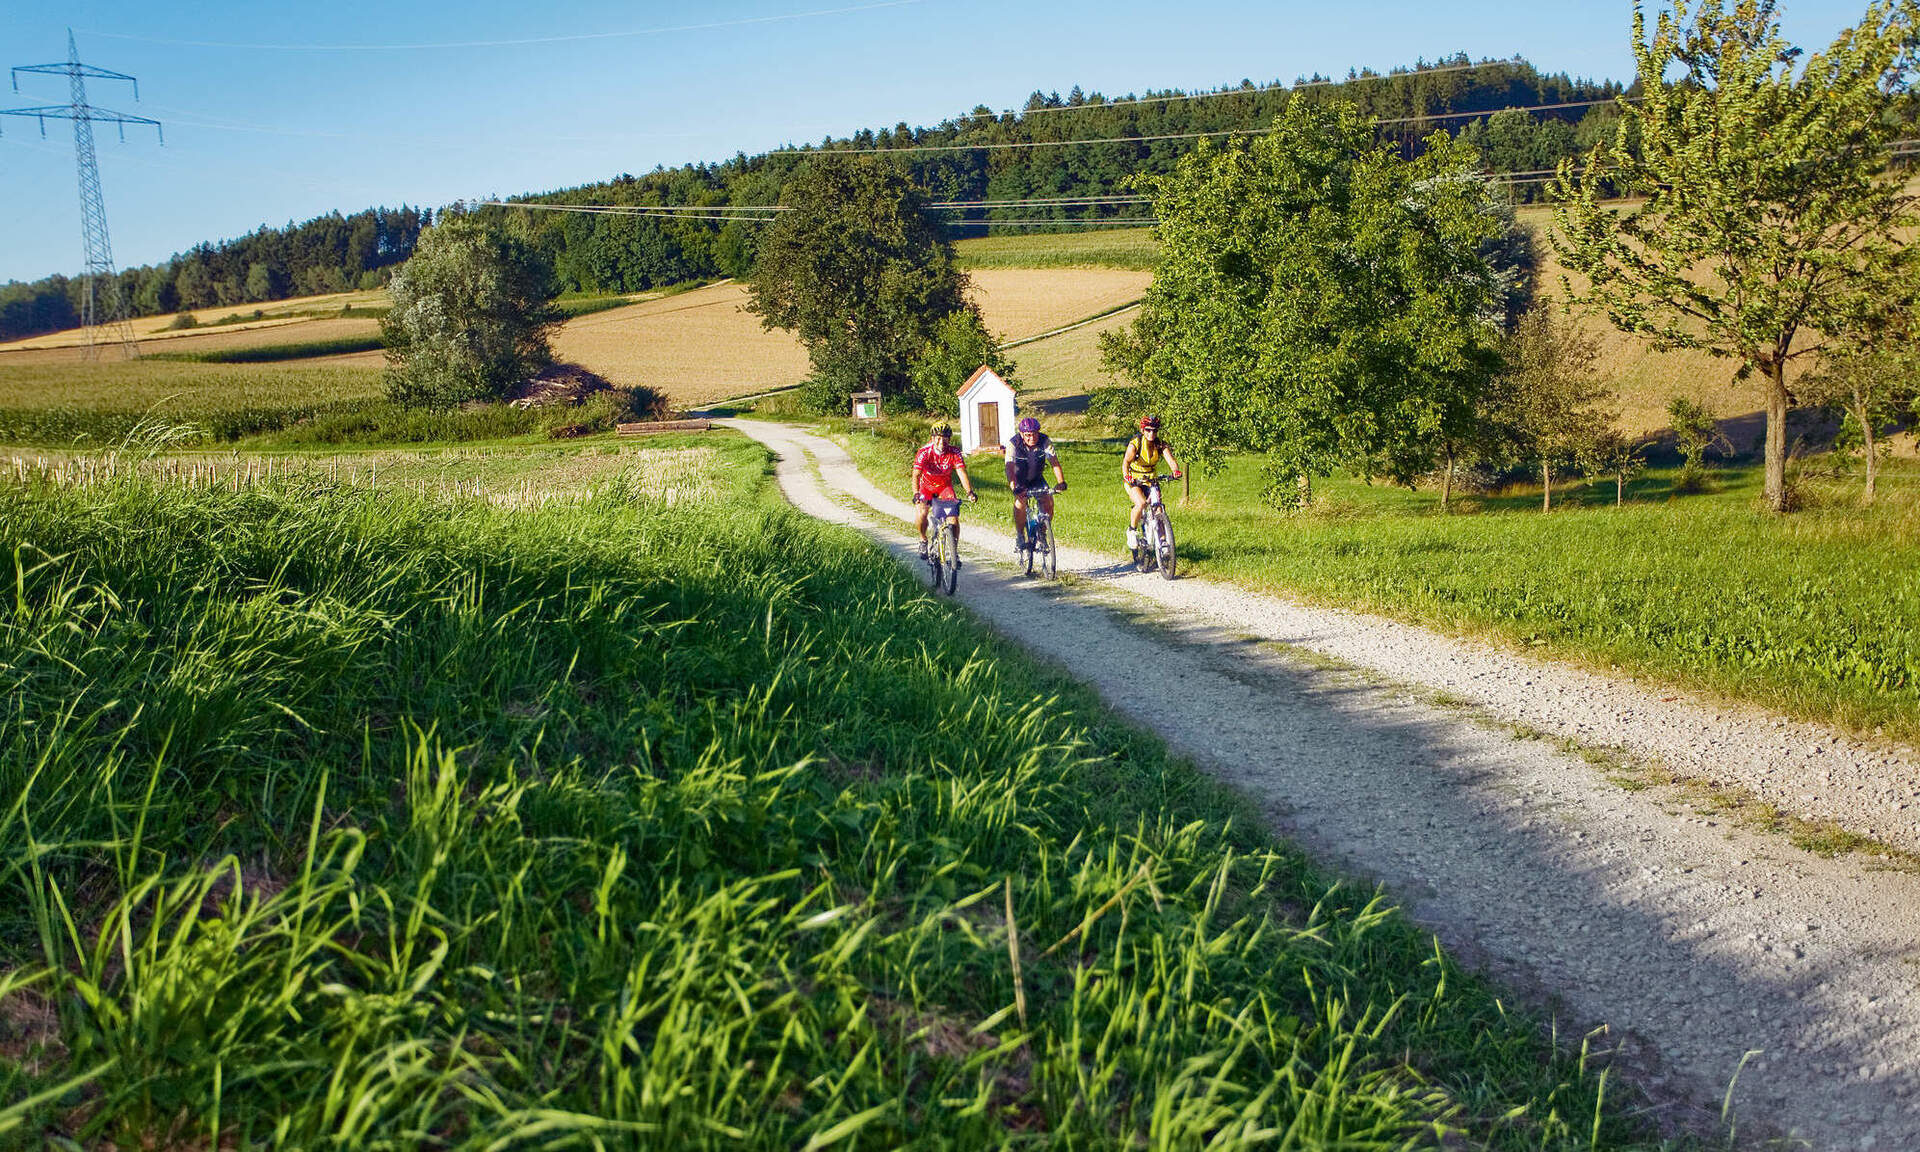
367,819
1817,613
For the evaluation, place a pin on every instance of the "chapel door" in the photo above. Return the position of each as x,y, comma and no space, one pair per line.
990,425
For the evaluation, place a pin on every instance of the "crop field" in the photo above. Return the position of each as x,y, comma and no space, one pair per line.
696,346
701,346
383,814
1131,248
1816,614
274,314
99,403
1023,302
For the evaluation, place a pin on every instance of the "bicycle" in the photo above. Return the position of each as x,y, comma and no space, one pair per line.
1154,547
1038,542
943,544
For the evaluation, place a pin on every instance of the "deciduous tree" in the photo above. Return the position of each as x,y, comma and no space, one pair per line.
1769,215
471,316
1548,406
859,271
1319,299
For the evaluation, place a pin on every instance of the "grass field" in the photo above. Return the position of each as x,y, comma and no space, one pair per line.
385,817
1816,614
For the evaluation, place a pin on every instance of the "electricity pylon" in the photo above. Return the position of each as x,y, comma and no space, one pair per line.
101,304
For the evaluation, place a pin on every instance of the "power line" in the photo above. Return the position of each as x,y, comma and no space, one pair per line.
455,44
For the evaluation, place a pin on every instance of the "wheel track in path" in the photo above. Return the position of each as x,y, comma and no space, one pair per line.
1696,941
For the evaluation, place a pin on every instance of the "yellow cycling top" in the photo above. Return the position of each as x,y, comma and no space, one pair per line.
1146,457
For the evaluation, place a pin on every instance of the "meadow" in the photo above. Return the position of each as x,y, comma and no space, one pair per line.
1816,614
383,815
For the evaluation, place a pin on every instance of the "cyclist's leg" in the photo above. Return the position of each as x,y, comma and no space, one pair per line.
920,522
1046,505
1138,495
1019,515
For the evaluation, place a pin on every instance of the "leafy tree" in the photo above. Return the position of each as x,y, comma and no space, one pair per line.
1770,219
1619,458
1319,299
1549,407
959,344
860,272
471,316
1695,429
1869,381
259,283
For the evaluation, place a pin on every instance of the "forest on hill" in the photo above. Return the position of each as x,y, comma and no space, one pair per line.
967,158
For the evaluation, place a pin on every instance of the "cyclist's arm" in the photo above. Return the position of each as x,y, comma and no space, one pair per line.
1126,461
960,470
1059,477
1013,472
1173,465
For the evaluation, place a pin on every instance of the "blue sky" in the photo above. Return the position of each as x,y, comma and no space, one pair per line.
262,126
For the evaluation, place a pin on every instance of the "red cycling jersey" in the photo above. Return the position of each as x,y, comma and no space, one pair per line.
934,469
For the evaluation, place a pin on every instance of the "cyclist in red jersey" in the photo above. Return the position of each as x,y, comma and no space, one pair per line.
934,468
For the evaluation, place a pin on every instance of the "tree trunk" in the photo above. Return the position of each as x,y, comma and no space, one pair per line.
1776,456
1446,483
1546,486
1306,490
1619,489
1873,462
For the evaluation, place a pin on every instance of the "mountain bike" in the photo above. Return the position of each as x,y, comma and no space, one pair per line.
943,544
1155,540
1037,545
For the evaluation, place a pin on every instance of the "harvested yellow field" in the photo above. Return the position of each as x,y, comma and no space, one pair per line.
277,314
702,346
697,347
1023,302
294,330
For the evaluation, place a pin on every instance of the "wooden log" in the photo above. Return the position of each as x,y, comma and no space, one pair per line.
648,428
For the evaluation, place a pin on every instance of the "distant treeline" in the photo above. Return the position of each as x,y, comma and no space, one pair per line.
596,254
627,253
332,253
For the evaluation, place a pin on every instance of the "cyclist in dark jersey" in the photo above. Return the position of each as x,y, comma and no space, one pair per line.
1027,460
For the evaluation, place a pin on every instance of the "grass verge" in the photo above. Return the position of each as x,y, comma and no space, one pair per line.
370,817
1816,614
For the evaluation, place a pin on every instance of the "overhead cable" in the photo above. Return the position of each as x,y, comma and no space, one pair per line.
575,38
1025,144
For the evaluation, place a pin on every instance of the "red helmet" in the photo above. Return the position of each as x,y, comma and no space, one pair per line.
1147,422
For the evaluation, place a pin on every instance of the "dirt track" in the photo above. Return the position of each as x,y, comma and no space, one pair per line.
1694,941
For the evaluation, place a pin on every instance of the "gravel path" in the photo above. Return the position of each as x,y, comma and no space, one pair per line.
1695,941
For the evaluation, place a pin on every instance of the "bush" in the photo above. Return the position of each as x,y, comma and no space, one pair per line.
1695,429
959,345
182,321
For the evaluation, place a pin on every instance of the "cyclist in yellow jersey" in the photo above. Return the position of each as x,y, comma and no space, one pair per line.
1138,468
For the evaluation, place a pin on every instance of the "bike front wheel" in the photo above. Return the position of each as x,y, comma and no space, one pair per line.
1163,529
1050,558
949,559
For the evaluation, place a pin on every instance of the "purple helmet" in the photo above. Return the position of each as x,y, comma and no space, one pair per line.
1029,425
